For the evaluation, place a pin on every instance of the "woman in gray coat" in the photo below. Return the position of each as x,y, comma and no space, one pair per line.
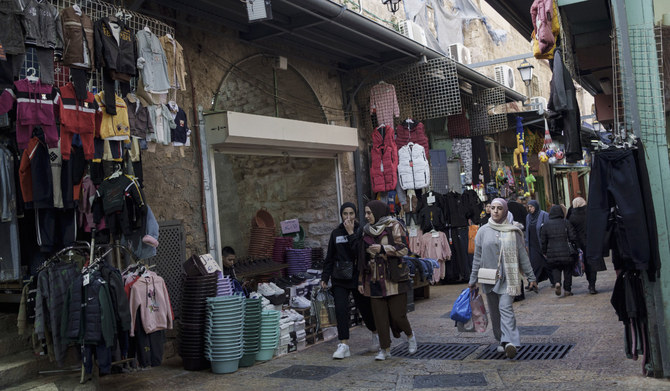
500,245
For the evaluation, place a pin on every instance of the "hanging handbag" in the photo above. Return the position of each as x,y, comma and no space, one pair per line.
489,276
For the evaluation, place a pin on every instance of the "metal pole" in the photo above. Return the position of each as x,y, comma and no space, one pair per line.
213,235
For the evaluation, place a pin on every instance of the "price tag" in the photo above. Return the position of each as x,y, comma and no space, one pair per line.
87,278
435,234
413,232
430,199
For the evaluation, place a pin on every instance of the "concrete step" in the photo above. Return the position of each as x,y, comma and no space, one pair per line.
12,343
21,366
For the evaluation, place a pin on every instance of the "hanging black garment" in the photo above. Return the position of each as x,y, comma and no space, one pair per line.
563,100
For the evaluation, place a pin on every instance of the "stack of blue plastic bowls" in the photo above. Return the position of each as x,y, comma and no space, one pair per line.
269,334
252,332
223,332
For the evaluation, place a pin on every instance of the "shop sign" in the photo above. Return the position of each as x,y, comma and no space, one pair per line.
290,226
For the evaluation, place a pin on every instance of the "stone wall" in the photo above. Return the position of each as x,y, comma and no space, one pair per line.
173,182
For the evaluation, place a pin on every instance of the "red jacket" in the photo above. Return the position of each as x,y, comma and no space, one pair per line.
414,134
77,117
384,157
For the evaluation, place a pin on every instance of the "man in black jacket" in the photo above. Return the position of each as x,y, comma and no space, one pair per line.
340,267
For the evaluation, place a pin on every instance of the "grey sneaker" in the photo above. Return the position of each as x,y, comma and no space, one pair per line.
342,351
411,344
383,355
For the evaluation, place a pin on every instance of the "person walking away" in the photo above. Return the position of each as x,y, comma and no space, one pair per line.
384,238
534,221
499,245
555,235
577,218
517,209
340,267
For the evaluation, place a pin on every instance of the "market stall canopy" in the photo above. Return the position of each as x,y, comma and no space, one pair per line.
241,133
318,30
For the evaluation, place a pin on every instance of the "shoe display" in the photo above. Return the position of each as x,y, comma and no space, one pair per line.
383,355
275,288
300,302
568,293
592,290
558,289
265,290
375,342
342,351
510,350
411,344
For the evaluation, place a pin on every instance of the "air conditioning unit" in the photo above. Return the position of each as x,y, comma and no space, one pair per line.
538,103
460,53
413,31
504,75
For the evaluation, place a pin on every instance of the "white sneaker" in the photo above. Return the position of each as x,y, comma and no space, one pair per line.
275,288
412,346
375,342
500,349
265,290
300,302
383,355
342,351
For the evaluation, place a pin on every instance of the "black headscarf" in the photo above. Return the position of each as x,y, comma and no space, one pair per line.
535,215
379,209
348,205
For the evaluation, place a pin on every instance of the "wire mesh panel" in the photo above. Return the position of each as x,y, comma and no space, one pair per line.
422,91
95,9
170,255
488,113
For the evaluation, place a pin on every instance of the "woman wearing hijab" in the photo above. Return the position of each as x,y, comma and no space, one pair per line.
555,236
534,220
340,268
383,239
577,218
499,245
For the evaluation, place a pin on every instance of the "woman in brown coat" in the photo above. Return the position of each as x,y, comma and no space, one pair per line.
384,241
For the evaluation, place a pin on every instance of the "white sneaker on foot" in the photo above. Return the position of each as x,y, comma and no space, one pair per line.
375,342
500,348
383,355
412,346
342,351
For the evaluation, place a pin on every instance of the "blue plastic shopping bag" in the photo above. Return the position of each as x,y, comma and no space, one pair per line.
461,311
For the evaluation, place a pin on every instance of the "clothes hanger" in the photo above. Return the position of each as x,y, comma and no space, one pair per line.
117,171
147,29
30,75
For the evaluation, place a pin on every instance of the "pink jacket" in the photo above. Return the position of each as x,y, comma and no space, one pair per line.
150,295
384,102
384,158
542,12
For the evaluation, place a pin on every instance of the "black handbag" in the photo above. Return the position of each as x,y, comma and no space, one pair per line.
398,270
343,270
571,246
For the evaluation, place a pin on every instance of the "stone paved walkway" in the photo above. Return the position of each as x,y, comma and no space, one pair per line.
596,362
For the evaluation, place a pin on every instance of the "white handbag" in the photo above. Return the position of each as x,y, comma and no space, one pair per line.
489,276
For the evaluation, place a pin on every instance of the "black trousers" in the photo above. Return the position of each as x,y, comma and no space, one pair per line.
614,179
102,353
342,313
146,348
566,270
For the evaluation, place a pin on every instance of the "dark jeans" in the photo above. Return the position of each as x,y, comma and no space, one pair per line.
614,178
342,313
102,354
556,270
147,348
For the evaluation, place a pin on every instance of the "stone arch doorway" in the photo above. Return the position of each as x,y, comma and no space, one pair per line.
253,85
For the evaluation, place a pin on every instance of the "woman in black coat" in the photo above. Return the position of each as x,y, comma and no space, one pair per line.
555,235
577,218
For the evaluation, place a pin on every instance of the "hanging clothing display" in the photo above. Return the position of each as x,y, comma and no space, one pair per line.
181,131
77,117
151,62
563,100
113,126
149,297
480,161
164,124
384,103
413,167
174,54
384,158
78,38
12,33
411,132
139,119
435,245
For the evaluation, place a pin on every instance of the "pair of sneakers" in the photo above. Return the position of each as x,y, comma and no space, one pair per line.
509,349
269,289
343,349
300,302
412,346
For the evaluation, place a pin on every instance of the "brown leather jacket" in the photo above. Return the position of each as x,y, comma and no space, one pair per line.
77,31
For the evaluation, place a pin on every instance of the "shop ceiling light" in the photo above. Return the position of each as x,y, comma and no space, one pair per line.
259,10
392,5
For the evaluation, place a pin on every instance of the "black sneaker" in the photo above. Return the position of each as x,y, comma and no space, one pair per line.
510,351
592,290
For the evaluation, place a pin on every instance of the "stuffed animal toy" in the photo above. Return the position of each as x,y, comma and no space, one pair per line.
530,180
542,156
518,152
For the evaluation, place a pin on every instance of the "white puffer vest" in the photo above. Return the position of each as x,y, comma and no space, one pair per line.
413,167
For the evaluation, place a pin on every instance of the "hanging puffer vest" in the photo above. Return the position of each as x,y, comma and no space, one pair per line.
413,167
384,157
407,132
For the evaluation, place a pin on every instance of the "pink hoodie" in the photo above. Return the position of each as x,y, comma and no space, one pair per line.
150,294
541,13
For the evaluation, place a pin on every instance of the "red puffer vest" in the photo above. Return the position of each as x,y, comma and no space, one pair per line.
384,157
415,133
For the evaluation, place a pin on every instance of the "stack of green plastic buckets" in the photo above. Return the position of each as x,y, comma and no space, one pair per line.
223,332
269,335
252,332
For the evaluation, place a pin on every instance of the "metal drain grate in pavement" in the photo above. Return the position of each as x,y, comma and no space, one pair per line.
436,351
450,380
306,372
528,352
537,330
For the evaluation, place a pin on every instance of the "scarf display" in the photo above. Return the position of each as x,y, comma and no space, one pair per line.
509,254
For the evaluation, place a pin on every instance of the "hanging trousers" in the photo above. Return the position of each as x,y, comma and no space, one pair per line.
566,270
147,348
387,311
614,178
102,353
480,159
342,313
503,321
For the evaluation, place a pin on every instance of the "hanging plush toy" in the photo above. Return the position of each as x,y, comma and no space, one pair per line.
500,178
520,146
530,180
542,156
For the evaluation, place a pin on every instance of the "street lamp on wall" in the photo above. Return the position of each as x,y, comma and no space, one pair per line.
392,5
526,71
